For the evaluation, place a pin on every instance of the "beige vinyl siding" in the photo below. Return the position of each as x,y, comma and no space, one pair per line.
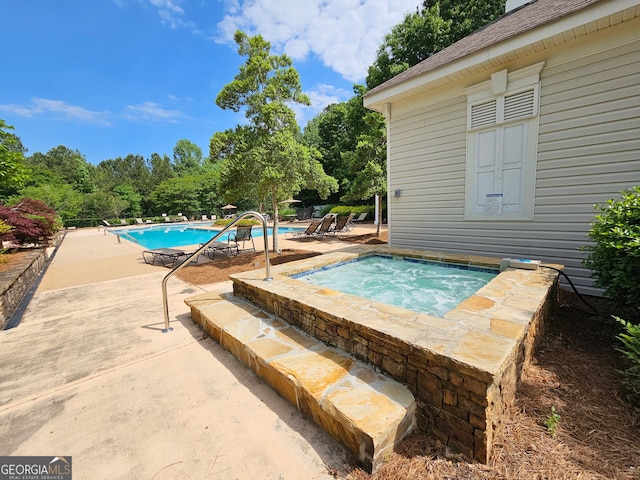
588,151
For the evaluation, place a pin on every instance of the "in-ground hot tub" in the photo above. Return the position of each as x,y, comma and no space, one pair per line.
463,367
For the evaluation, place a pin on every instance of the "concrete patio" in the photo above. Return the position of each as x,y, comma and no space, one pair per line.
89,374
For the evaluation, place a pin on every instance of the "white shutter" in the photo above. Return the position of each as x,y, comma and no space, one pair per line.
513,161
483,114
502,136
485,166
519,105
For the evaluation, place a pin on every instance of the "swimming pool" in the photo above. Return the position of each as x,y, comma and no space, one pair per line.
168,236
420,285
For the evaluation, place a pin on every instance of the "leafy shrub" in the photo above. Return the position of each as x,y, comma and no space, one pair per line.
324,210
4,228
33,222
286,211
346,210
223,222
552,421
630,339
615,257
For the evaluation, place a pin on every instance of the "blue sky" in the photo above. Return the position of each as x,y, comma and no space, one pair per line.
114,77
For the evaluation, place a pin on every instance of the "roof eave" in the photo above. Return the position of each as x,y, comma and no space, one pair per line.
580,23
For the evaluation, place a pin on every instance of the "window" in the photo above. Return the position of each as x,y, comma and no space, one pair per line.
502,137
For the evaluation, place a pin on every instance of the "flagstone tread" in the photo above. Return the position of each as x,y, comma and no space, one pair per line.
364,410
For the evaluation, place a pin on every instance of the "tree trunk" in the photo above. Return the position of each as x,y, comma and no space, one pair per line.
379,215
274,236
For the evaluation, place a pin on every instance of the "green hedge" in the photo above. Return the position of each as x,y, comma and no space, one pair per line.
357,210
614,258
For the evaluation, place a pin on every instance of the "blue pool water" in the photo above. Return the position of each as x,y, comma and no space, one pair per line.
168,236
420,285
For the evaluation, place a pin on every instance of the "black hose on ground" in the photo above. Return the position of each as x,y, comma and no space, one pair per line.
591,307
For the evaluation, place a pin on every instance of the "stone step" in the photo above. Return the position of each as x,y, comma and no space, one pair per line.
362,409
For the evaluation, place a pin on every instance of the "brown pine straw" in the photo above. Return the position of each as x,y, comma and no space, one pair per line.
575,370
598,434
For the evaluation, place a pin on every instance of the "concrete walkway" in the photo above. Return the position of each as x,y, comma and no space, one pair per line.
88,374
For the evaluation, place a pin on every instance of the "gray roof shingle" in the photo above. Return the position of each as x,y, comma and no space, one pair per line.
516,22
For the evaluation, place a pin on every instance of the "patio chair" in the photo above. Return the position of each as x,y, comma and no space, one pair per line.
326,225
220,247
343,225
242,234
124,222
306,234
361,217
167,257
139,221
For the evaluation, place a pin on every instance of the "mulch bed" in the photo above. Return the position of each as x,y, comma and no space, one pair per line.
574,370
222,267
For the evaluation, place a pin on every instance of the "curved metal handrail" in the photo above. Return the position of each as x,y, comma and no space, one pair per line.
265,234
126,235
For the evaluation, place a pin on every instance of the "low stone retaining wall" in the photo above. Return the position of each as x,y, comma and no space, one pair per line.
463,368
15,282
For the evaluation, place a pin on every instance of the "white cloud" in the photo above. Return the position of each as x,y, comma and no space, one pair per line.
60,109
173,15
321,96
343,34
151,112
170,12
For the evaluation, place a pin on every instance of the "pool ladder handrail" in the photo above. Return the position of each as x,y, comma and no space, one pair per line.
126,235
265,234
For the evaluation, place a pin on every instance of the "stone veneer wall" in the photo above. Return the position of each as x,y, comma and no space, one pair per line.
457,403
15,282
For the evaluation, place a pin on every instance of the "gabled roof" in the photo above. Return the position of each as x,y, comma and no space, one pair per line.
514,24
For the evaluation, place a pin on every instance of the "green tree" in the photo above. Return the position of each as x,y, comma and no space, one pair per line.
187,158
128,194
62,197
13,171
132,170
161,169
265,158
335,131
102,205
179,194
368,163
70,165
433,27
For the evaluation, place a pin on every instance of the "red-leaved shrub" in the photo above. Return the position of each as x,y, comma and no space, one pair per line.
33,222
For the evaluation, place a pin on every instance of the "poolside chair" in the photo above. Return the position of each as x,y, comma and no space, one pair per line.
139,221
167,257
343,225
124,222
326,225
242,234
168,220
306,234
220,247
361,217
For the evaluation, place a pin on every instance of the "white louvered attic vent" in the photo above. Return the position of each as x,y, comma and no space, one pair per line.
483,114
519,105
